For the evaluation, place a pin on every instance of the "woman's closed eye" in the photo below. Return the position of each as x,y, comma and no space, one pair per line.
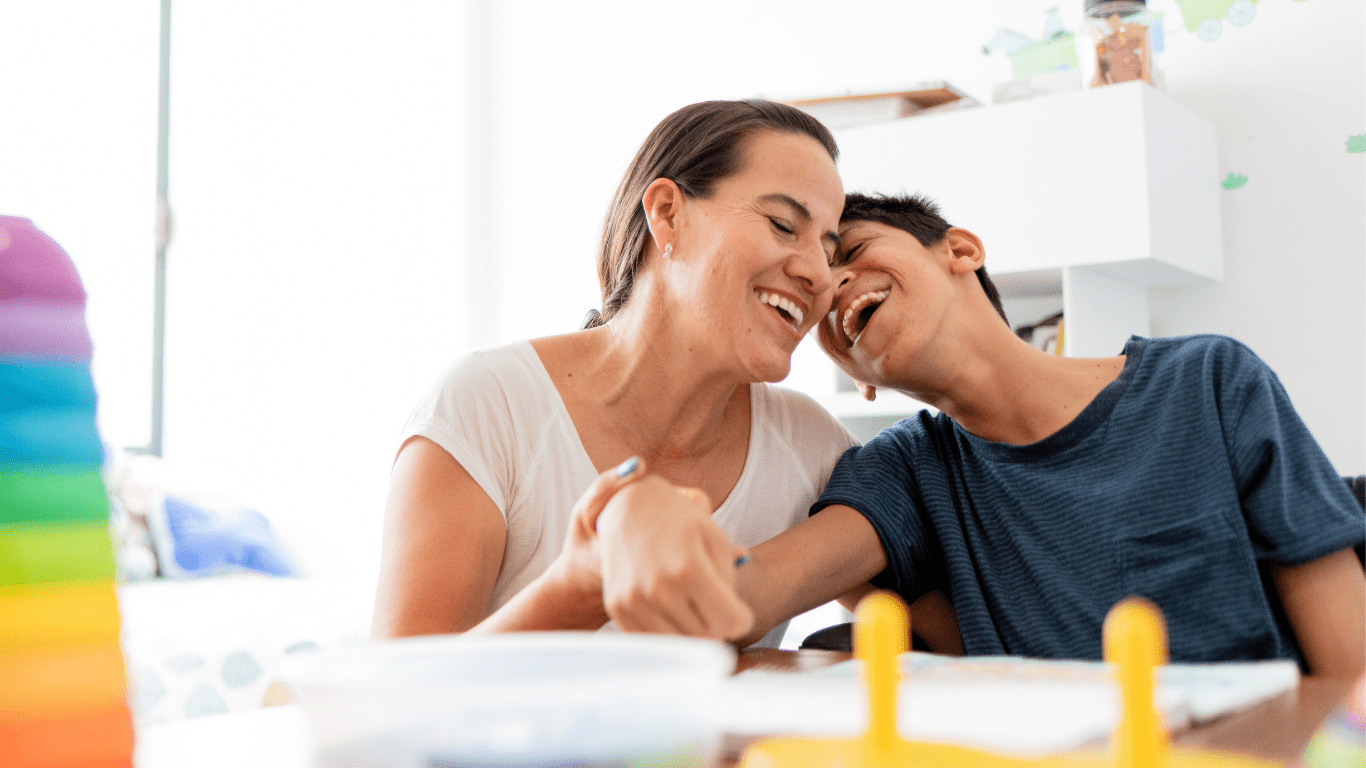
782,226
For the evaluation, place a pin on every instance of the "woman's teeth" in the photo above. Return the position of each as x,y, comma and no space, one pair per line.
787,305
853,310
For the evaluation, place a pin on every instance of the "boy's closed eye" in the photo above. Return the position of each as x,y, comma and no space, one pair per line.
845,254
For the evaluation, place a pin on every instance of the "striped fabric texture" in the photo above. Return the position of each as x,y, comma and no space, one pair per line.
1182,482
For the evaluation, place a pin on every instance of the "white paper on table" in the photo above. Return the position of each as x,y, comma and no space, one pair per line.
1003,704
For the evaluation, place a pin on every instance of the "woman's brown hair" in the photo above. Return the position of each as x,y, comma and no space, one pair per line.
695,147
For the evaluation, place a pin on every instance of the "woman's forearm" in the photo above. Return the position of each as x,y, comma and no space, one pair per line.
548,603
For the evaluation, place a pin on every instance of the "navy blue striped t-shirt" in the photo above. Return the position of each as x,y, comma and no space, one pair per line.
1182,481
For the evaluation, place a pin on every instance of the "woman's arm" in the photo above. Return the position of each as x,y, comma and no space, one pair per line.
1325,600
442,549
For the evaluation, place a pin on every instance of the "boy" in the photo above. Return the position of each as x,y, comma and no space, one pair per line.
1048,488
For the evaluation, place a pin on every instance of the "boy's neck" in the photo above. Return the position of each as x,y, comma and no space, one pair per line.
1001,389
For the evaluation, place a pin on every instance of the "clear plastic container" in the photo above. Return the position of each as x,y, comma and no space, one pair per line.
529,699
1120,40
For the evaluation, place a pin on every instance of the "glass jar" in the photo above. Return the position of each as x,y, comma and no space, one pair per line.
1119,34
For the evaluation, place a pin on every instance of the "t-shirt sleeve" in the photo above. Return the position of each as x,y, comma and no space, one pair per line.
1296,505
468,413
876,481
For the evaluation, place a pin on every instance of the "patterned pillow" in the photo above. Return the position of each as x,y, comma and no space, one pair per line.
213,645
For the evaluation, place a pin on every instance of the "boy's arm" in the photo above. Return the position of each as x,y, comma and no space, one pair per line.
1325,600
822,558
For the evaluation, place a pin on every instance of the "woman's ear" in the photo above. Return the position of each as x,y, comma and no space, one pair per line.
966,251
662,202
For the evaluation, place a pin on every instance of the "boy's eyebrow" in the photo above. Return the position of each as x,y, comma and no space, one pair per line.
831,236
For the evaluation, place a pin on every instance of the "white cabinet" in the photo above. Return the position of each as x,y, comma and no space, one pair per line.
1083,201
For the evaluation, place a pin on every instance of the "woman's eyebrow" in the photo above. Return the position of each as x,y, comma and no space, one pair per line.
802,213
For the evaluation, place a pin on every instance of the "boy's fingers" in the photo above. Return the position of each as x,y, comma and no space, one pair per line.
697,496
740,555
647,618
723,612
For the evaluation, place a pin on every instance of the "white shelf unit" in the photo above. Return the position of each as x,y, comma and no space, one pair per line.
1083,201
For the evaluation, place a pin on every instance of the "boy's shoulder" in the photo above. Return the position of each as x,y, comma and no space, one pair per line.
1206,356
914,435
1195,345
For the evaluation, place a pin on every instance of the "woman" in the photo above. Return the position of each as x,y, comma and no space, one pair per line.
713,265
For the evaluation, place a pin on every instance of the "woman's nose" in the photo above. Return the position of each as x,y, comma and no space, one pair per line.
812,268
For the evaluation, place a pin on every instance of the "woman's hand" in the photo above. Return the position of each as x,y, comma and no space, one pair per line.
568,595
577,569
666,567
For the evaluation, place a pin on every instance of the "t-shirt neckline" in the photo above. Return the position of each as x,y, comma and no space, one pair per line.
562,412
1092,416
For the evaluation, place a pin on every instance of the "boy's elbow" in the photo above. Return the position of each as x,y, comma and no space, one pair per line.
1325,600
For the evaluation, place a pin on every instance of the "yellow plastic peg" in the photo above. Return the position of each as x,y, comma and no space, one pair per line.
880,631
1135,642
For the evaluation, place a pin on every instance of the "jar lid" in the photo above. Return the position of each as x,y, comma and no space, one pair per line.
1115,6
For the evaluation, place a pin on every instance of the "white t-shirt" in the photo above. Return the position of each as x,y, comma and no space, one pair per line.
497,412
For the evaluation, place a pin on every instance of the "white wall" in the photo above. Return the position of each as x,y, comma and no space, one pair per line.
316,277
1284,92
78,139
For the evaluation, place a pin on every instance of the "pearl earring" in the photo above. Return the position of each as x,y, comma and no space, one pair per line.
668,250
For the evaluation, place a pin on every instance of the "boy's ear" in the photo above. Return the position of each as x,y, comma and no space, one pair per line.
868,391
662,202
966,251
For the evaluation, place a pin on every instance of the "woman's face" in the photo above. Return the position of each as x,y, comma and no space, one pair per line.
752,260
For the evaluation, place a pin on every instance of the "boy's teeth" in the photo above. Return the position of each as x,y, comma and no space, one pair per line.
853,310
787,305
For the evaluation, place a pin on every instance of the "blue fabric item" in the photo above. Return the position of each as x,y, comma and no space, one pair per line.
45,384
1182,481
207,542
52,436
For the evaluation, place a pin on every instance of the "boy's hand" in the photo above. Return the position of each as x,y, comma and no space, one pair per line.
666,566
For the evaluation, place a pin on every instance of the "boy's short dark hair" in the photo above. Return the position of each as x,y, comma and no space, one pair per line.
917,215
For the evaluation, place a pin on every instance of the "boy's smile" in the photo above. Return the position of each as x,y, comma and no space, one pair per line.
872,270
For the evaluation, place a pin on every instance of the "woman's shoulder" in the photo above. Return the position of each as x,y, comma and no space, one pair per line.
798,419
508,362
499,382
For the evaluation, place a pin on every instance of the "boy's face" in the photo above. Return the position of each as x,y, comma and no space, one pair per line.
891,293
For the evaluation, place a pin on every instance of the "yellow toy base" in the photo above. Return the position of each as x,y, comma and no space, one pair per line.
1135,641
851,753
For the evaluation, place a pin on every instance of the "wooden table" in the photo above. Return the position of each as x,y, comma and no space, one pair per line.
1277,729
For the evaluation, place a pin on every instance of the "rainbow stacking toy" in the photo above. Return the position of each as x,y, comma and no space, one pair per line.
1135,642
62,686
